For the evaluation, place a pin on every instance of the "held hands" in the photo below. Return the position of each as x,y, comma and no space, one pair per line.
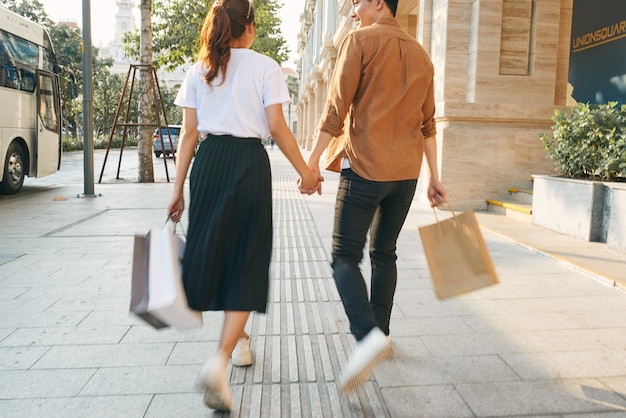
436,193
312,182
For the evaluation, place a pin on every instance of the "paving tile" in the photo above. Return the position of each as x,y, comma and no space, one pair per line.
93,407
617,384
12,292
491,343
506,323
584,339
5,332
97,319
568,365
14,316
20,384
64,336
554,397
89,304
20,358
103,290
403,327
408,347
178,405
116,355
414,371
142,380
425,402
196,353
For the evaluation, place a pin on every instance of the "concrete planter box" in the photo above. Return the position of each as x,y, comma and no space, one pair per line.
572,207
616,225
589,210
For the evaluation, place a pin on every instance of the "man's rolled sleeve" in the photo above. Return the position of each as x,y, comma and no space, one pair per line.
344,84
429,127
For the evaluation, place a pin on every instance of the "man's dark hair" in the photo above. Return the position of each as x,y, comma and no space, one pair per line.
393,5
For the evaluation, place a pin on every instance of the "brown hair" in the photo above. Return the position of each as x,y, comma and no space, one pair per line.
225,21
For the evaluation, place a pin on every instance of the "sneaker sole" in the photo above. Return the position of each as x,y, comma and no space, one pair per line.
358,379
213,400
242,362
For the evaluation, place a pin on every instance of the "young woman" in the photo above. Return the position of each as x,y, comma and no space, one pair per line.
232,100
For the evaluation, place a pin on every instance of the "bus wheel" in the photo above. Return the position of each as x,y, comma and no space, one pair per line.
13,177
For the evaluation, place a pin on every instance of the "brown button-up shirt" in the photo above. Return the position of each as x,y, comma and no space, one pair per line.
383,82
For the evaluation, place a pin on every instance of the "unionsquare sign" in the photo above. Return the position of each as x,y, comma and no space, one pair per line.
597,70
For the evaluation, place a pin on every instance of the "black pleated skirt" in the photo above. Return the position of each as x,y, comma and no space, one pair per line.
229,239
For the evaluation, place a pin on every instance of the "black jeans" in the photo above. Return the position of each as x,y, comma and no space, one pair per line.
380,207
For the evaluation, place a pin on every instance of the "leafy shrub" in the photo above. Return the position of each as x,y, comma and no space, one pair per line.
589,141
72,144
77,144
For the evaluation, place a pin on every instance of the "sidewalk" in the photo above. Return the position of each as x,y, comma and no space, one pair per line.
549,340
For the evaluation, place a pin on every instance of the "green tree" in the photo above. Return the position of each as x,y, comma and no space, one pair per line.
144,149
293,85
176,31
106,96
269,39
173,112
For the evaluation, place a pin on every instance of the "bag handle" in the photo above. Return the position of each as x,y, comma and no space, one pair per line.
169,219
449,207
451,210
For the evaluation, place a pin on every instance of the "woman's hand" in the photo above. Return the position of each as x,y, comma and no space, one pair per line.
311,182
176,207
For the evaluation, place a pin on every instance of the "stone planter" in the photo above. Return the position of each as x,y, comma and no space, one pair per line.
616,225
589,210
572,207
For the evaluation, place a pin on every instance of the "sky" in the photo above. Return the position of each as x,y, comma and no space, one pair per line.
103,19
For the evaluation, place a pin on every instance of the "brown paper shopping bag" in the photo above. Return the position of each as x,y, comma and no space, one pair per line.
457,255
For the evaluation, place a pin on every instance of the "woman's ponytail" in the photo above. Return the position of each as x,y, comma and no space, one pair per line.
225,21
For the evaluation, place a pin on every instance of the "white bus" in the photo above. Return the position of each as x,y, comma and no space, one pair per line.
30,102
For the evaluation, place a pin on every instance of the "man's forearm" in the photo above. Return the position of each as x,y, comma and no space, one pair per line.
430,152
322,139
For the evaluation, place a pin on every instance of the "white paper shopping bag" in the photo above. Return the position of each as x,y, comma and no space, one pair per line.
167,300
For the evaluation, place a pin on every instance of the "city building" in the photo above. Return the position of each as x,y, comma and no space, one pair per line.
125,22
501,70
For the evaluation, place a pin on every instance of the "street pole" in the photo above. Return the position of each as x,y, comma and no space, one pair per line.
87,102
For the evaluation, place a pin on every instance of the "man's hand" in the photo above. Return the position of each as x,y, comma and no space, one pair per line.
436,193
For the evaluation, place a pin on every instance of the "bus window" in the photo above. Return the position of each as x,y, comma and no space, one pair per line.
49,61
47,109
18,57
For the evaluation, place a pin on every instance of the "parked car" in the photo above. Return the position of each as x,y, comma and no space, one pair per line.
165,147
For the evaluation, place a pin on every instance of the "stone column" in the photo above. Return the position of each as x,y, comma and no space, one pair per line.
501,68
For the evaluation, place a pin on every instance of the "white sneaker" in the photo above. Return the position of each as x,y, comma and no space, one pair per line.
213,380
242,356
370,351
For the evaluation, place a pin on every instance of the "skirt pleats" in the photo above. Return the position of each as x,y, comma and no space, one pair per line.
229,239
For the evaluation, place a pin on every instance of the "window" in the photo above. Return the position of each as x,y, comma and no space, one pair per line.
47,108
18,59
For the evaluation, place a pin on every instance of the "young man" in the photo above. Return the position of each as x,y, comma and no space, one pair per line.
383,83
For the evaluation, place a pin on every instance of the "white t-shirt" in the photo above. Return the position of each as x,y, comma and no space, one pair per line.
237,106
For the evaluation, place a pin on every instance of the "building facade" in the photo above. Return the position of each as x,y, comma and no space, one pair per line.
501,70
